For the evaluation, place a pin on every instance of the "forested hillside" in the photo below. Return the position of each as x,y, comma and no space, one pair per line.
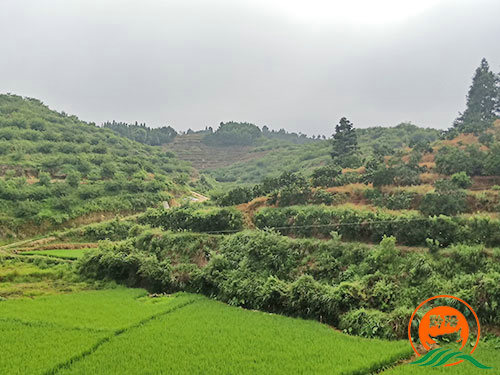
54,167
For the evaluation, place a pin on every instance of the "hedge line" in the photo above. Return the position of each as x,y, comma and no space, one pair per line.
364,225
194,219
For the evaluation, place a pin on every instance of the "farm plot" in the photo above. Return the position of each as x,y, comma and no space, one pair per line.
125,331
208,337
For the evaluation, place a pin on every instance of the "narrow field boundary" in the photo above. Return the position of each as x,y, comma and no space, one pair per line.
400,362
378,368
67,364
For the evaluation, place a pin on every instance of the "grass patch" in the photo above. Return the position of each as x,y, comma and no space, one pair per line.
34,277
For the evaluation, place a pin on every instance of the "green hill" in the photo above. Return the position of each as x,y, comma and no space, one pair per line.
55,167
270,159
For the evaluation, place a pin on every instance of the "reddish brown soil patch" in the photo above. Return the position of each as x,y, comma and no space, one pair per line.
248,210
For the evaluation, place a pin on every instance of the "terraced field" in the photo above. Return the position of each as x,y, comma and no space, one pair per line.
190,148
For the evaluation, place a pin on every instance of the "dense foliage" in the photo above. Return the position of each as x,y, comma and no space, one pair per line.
193,219
246,134
370,292
143,134
365,225
233,133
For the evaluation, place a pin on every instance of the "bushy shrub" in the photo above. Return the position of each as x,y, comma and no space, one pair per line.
326,176
348,178
291,195
235,196
322,197
445,203
461,180
399,200
450,160
191,218
367,323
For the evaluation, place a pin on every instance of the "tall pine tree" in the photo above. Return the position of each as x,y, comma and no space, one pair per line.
345,145
483,101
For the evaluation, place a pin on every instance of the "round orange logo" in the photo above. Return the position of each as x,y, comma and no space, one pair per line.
440,321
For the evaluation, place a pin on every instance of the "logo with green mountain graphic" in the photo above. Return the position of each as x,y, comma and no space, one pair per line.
442,321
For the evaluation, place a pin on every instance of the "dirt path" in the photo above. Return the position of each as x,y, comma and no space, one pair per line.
199,197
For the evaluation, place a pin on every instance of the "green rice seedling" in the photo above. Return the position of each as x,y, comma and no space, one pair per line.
35,348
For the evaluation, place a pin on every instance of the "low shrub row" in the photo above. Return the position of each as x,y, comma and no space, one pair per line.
363,290
113,230
364,225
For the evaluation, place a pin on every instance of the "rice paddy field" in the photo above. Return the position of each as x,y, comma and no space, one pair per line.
212,338
123,331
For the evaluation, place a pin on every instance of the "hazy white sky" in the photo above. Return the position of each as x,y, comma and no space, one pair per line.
283,63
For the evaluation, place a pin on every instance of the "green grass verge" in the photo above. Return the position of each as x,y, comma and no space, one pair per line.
208,337
65,254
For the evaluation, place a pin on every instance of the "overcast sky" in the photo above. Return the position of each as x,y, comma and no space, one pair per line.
295,64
